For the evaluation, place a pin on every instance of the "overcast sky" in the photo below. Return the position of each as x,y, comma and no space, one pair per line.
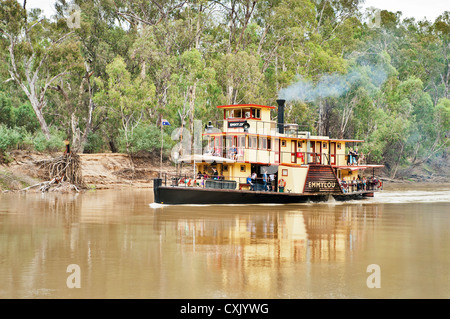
418,9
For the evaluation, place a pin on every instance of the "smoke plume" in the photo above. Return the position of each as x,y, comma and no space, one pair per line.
333,85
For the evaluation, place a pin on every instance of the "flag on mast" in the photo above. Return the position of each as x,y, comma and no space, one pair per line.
165,122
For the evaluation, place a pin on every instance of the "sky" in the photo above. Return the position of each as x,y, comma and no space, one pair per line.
418,9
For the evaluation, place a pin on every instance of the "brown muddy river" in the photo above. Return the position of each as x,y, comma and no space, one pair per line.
117,244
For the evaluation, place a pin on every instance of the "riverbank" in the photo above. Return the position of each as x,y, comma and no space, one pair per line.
115,170
99,171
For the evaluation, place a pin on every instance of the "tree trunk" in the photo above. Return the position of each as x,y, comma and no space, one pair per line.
37,110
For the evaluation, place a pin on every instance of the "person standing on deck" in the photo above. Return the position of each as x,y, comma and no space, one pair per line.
250,182
265,179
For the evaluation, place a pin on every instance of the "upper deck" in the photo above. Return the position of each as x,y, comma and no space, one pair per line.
247,134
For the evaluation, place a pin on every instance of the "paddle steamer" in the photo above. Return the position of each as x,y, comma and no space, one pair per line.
253,159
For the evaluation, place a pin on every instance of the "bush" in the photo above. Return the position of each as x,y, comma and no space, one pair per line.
6,110
55,144
25,117
94,143
145,138
9,138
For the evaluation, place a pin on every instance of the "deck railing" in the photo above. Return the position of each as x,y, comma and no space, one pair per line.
257,184
257,155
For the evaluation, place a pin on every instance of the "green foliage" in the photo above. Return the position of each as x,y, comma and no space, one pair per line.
94,143
145,138
54,144
24,117
9,138
6,110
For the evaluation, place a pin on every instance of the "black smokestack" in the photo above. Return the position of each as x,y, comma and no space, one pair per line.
281,116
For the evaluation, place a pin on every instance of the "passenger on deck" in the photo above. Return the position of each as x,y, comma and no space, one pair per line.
215,173
361,158
234,153
350,156
250,182
272,182
265,179
344,185
354,184
254,178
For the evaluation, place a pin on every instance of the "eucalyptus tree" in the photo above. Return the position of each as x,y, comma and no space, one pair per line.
39,53
124,96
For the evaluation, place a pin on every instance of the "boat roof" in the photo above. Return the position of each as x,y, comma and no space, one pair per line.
205,158
245,105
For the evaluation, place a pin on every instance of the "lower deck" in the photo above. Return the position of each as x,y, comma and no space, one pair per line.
176,195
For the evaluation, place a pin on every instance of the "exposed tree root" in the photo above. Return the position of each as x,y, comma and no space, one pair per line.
63,174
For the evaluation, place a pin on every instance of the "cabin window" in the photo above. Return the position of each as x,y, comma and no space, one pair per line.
252,143
236,113
324,145
284,172
243,168
228,142
242,142
256,113
225,168
263,143
300,144
283,143
338,146
217,146
269,144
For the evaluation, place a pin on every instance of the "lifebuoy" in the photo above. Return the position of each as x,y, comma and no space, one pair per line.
281,183
380,184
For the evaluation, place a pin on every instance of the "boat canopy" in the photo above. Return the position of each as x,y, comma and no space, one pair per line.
205,158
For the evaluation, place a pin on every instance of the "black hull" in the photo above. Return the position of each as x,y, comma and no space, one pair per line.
191,195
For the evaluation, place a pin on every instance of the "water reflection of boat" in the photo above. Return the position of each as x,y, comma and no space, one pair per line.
267,236
254,159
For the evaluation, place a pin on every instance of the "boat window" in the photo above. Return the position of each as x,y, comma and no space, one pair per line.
228,142
252,143
256,113
283,143
235,113
324,145
269,144
242,141
263,143
242,168
300,144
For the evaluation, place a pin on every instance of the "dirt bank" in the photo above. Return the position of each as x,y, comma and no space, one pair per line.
100,171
